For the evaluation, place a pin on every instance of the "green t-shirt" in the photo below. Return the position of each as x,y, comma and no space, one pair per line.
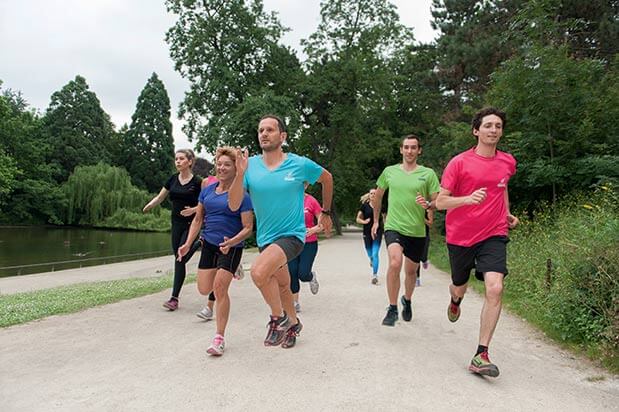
404,215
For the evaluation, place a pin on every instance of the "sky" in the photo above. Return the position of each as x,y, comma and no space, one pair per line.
117,44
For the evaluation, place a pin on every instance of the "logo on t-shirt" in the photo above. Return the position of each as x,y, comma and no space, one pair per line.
502,183
289,177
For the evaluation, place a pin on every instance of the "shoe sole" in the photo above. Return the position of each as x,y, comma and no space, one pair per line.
201,316
492,372
214,352
171,309
406,318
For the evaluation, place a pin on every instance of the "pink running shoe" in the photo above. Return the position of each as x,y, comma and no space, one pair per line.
217,347
171,304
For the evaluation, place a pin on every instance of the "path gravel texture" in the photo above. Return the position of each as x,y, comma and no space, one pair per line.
136,356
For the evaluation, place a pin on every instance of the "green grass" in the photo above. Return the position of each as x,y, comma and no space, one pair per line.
25,307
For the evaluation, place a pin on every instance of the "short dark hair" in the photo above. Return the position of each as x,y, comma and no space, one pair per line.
411,136
280,123
486,111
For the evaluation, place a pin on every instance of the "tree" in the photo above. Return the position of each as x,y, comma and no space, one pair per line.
149,144
80,132
237,71
562,120
29,193
471,46
349,95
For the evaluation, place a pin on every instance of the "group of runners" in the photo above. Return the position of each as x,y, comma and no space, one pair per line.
272,186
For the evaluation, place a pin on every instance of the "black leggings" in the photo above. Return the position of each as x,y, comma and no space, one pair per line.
179,236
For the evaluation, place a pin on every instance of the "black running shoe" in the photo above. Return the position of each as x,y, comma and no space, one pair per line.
291,335
391,317
278,326
407,310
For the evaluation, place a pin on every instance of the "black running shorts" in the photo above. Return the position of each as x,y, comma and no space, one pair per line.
489,255
212,258
412,246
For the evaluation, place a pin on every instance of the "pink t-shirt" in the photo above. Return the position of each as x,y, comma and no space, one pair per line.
465,173
311,209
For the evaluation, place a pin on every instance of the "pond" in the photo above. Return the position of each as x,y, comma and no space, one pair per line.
34,249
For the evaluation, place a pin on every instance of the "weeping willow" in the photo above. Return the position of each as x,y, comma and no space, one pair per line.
96,193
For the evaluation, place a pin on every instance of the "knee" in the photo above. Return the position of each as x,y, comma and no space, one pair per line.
203,289
259,277
395,265
494,291
220,289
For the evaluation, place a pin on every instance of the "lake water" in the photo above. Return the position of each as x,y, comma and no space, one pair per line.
26,250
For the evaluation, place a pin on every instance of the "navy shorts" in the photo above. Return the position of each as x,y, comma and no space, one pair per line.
412,246
213,258
489,255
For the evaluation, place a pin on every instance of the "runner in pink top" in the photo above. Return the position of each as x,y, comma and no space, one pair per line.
474,193
300,268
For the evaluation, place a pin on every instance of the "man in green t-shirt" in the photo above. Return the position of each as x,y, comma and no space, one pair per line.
405,226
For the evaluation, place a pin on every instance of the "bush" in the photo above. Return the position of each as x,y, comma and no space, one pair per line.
577,301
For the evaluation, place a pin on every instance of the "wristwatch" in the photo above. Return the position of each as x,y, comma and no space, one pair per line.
326,212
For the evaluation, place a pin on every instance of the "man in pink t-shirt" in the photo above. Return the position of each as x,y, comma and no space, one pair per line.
474,193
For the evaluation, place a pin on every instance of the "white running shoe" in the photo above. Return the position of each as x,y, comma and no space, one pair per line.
314,284
206,313
217,347
297,307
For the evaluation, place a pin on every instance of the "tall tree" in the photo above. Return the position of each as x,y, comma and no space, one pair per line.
229,52
471,46
149,141
80,131
348,98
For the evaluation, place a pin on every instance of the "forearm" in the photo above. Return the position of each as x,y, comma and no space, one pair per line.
194,229
241,236
377,204
235,193
445,202
327,190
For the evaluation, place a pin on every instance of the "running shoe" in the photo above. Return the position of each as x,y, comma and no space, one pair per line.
314,284
291,335
217,347
374,281
240,273
425,264
407,310
278,326
453,311
206,313
481,364
297,307
418,282
171,304
391,317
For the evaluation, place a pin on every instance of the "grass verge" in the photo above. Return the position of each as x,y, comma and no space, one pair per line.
25,307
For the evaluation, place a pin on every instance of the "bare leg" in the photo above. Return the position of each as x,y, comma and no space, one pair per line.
222,284
492,306
410,273
205,279
270,273
393,272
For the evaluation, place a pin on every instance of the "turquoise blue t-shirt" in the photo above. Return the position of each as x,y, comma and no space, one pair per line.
277,196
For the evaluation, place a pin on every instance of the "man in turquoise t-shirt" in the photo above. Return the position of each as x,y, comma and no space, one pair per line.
405,232
275,182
